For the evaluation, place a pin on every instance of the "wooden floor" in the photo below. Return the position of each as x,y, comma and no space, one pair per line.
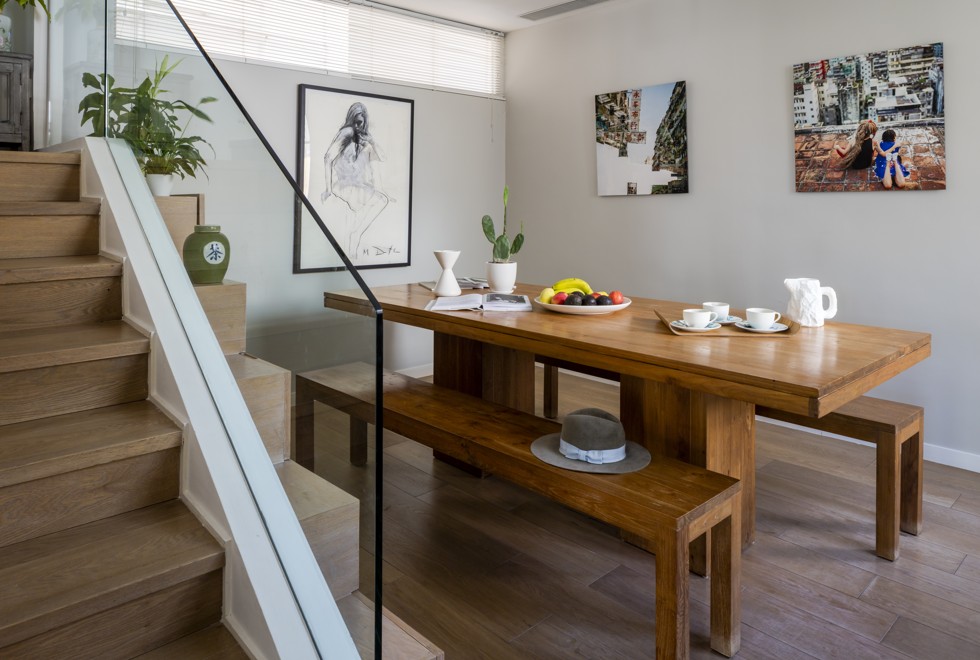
485,569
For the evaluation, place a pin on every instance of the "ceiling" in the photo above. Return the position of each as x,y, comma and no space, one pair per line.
501,15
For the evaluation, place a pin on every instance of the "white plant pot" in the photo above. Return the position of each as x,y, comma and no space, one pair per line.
502,277
161,185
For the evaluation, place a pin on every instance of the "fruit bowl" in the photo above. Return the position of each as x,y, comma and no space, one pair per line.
579,309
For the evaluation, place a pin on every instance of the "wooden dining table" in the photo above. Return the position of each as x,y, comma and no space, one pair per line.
689,396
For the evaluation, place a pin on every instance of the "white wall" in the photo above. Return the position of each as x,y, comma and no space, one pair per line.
896,259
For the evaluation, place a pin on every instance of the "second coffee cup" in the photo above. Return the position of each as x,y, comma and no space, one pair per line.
719,308
699,318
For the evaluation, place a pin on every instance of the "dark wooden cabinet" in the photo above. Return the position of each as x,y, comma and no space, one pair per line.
15,101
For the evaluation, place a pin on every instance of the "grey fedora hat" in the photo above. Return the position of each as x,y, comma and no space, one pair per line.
591,440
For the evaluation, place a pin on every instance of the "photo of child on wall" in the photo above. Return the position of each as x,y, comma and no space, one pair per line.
871,122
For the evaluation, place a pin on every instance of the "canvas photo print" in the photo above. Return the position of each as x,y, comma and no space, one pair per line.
871,122
641,140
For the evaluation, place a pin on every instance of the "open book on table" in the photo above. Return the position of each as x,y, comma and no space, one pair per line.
464,283
490,302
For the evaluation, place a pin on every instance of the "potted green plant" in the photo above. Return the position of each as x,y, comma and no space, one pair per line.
5,21
155,127
501,271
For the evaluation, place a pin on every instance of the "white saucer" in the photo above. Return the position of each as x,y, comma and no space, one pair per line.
681,325
776,327
729,320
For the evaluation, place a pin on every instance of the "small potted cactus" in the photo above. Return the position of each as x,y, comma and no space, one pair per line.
501,271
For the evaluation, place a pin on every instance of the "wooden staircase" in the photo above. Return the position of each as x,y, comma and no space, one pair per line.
98,557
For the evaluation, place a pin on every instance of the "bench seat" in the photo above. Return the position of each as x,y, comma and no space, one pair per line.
896,429
668,503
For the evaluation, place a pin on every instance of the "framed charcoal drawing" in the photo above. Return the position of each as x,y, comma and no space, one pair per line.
355,167
641,140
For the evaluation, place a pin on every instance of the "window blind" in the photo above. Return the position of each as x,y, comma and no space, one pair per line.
361,40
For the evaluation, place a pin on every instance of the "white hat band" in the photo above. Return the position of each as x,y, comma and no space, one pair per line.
594,456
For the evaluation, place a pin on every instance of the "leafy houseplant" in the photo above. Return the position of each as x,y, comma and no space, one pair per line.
28,3
154,127
503,248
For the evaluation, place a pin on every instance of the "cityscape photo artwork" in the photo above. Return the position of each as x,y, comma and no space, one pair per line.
871,122
641,140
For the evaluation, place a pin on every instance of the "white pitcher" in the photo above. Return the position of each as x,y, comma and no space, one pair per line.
806,301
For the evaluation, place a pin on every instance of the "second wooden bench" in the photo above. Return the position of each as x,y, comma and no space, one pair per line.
896,430
667,503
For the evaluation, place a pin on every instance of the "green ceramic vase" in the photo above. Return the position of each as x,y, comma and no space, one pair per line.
206,255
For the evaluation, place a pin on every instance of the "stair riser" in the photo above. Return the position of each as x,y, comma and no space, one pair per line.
39,507
267,398
132,628
48,236
62,302
38,182
36,393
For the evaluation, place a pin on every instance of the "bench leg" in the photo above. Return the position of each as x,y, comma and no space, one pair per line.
673,625
358,441
887,497
911,506
550,398
726,570
302,450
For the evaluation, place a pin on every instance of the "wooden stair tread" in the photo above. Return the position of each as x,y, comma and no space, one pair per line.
54,445
49,208
53,580
212,643
244,366
309,493
42,157
46,269
49,346
398,639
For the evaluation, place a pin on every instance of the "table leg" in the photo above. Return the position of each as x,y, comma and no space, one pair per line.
703,429
498,374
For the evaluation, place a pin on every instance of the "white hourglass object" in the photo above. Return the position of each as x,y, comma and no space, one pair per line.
447,284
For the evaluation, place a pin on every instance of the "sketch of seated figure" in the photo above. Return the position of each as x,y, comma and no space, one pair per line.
352,178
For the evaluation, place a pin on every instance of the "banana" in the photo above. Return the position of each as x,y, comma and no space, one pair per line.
572,283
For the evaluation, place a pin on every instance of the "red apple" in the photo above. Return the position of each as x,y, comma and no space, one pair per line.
559,298
616,297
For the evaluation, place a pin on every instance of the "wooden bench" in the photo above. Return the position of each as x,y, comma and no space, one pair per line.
668,503
896,431
895,428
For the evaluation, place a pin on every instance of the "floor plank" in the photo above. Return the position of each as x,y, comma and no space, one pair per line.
920,641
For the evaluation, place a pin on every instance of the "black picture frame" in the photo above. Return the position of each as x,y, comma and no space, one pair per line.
354,164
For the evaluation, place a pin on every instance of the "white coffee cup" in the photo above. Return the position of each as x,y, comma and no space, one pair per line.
761,318
719,308
699,318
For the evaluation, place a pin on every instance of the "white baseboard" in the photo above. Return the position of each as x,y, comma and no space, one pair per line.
952,457
935,453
